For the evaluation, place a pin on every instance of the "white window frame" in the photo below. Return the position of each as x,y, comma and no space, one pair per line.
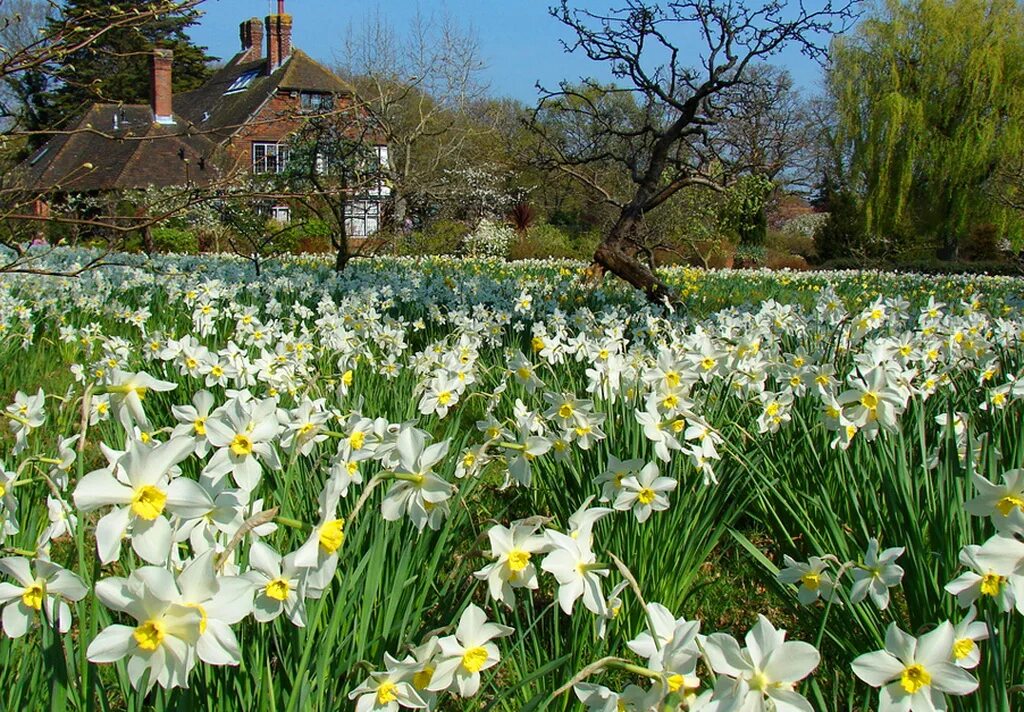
281,214
362,217
269,157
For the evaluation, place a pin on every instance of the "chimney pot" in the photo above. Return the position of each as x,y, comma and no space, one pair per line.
161,92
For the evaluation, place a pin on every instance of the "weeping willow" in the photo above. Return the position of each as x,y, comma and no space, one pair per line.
930,98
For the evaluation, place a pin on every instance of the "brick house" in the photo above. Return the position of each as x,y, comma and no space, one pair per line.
238,123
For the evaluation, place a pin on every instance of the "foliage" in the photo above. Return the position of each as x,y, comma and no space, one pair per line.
744,208
490,239
116,67
762,365
929,108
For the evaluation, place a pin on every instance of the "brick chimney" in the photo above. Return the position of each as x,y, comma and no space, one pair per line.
161,94
251,33
279,38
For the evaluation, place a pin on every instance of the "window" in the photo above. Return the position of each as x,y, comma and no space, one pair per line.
243,81
313,101
362,218
281,213
269,158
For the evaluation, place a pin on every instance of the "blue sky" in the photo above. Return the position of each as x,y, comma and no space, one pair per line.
519,40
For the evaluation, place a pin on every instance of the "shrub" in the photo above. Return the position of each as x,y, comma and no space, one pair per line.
440,238
982,244
791,243
169,239
490,239
541,242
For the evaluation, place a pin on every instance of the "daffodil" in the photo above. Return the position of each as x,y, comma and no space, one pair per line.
466,654
996,573
966,634
388,690
127,391
49,587
915,673
25,414
222,601
812,577
876,575
142,490
243,433
999,502
279,584
513,549
319,555
764,673
574,565
645,493
417,491
161,643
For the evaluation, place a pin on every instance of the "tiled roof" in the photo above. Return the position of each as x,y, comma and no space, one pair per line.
221,114
138,153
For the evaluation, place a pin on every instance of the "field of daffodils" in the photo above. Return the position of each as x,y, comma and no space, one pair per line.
451,485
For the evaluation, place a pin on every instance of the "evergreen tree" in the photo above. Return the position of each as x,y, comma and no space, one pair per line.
930,105
116,68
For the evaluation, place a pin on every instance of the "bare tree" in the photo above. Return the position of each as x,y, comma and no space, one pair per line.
767,129
670,142
420,86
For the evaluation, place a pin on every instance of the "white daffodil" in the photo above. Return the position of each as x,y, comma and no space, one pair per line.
60,466
49,587
915,674
582,521
765,672
222,601
24,415
162,643
63,521
8,503
417,491
127,391
575,567
423,660
280,585
140,492
388,690
876,575
464,655
303,427
999,501
599,698
513,548
665,629
319,555
243,433
872,402
613,475
997,572
966,634
192,421
814,581
657,432
645,493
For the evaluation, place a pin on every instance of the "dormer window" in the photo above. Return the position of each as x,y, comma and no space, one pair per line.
315,101
243,81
